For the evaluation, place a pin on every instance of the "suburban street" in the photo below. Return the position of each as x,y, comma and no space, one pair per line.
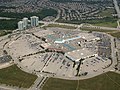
117,8
58,16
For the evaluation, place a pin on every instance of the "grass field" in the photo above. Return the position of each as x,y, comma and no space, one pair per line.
15,77
60,26
107,24
108,81
110,21
5,32
115,34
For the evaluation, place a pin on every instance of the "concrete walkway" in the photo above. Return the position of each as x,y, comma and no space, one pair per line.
39,82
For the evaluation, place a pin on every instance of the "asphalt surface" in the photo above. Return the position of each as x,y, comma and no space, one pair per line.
38,83
117,8
77,26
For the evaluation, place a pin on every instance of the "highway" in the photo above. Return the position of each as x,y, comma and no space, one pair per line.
117,8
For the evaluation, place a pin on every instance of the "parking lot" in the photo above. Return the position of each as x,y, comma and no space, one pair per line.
48,53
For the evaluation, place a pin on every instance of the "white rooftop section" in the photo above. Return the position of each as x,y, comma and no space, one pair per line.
25,18
86,36
66,40
34,17
45,45
59,41
76,55
20,22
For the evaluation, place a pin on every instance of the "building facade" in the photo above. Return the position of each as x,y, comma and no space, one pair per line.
20,25
34,21
25,23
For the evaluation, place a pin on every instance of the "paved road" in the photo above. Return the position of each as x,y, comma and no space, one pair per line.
2,87
5,88
39,82
58,16
117,8
6,18
47,23
113,54
78,26
8,64
103,28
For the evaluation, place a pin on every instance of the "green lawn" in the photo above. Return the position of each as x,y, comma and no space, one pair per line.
116,34
15,77
101,82
5,32
60,26
40,24
107,24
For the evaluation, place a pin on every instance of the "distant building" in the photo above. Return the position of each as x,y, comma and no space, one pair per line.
20,25
34,21
25,23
